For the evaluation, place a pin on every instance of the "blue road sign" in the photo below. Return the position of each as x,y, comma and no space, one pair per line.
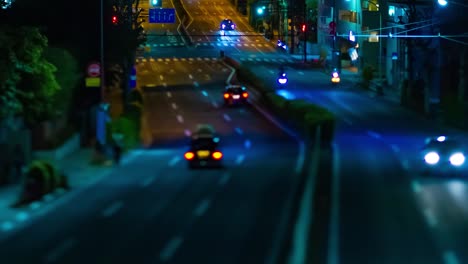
162,15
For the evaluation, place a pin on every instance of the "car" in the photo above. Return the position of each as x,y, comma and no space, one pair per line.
227,24
235,95
443,155
204,149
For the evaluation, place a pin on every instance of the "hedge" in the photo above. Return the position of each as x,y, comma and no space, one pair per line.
129,125
41,178
299,113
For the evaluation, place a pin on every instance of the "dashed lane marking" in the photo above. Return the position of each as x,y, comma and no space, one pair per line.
196,84
174,161
112,209
60,250
415,186
180,119
170,249
247,144
174,106
430,217
373,134
161,77
148,181
240,159
224,179
395,148
190,76
187,133
239,131
450,257
169,94
202,207
226,117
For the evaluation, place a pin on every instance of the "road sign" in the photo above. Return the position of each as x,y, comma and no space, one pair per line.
162,15
94,69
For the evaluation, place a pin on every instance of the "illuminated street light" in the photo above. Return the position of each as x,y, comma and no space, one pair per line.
260,10
442,2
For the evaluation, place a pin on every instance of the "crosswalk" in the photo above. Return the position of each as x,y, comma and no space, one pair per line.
213,59
207,44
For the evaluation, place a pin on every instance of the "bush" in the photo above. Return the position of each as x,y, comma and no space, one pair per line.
127,127
277,102
453,110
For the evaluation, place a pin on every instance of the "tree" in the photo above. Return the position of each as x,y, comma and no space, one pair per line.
67,76
27,81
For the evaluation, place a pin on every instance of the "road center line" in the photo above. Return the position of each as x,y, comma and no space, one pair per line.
174,106
202,207
190,76
204,93
224,179
333,235
7,226
239,131
395,148
215,105
247,144
60,250
226,117
171,247
112,209
174,161
187,133
161,77
450,257
169,94
196,84
301,73
180,119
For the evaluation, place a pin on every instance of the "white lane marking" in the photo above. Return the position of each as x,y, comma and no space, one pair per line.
171,247
7,226
226,117
239,130
196,84
247,144
395,148
204,93
302,223
169,94
405,164
60,250
180,119
373,134
164,84
187,133
333,235
271,72
301,73
415,186
450,257
347,121
22,216
215,105
240,159
190,76
430,217
224,179
112,209
161,77
174,106
148,181
202,207
174,161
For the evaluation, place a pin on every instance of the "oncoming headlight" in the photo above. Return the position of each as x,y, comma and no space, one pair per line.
457,159
432,158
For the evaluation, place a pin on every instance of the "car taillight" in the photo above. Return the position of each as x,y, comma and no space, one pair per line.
189,155
226,95
245,95
217,155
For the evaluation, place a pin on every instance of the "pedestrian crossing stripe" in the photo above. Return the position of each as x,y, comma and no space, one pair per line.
206,44
213,59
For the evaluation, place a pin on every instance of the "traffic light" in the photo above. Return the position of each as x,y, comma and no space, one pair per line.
155,3
114,20
303,27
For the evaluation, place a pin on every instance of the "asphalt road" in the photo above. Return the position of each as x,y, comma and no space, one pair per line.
154,209
387,211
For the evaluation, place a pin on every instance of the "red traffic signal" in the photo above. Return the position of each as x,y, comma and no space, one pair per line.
303,27
114,20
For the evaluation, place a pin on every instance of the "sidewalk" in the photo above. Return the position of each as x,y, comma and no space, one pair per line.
80,174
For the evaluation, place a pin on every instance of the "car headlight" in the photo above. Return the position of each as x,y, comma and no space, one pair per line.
432,158
457,159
